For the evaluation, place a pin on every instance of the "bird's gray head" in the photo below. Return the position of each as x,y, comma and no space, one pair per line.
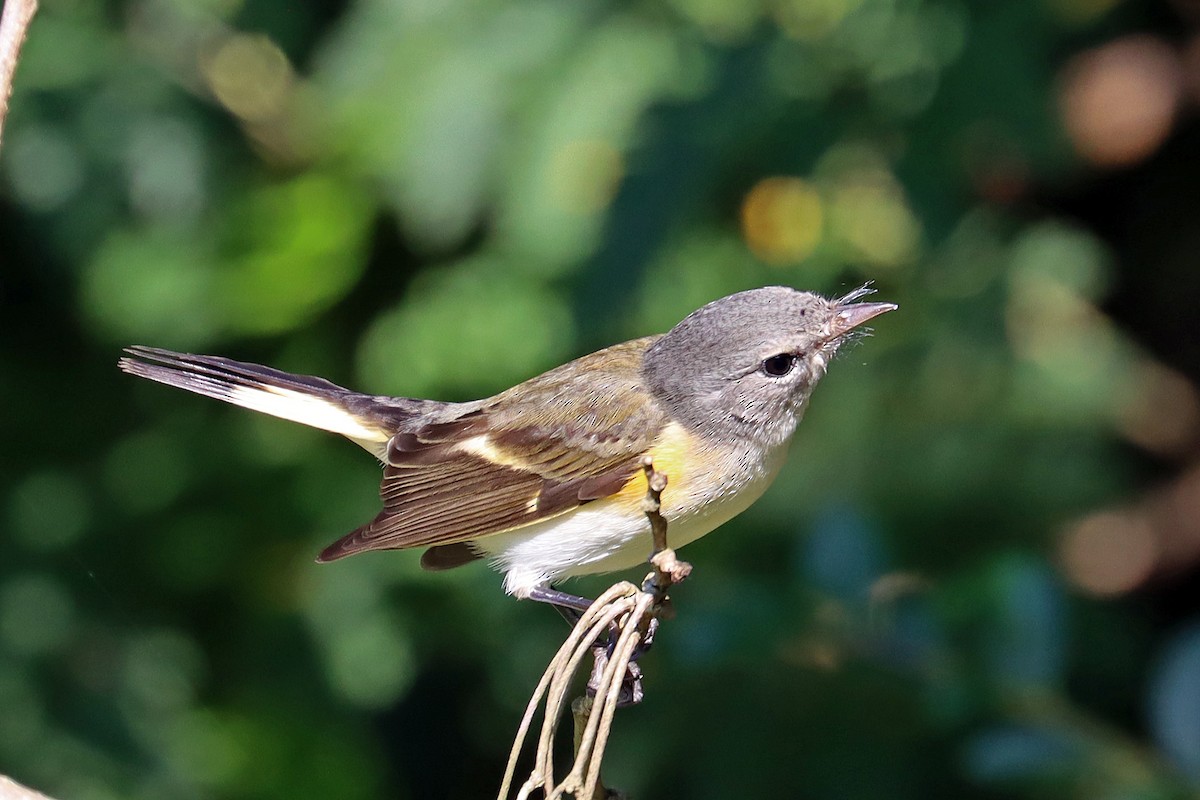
746,364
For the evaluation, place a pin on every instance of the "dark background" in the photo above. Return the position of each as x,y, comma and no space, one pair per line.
977,575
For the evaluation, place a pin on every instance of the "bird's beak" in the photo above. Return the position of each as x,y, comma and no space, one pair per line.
851,316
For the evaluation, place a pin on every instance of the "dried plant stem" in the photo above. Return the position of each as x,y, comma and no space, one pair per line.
555,683
14,23
628,614
11,790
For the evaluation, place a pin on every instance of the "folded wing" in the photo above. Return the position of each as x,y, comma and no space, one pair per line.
514,460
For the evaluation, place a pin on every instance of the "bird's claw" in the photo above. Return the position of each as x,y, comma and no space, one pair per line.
630,693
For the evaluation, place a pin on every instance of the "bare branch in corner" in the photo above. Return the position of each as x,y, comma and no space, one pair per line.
14,24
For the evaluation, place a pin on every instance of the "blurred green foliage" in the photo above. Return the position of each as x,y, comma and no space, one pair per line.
443,198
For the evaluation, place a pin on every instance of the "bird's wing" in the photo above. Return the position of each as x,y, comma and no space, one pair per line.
565,438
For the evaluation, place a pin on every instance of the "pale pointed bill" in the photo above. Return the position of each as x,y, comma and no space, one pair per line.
856,314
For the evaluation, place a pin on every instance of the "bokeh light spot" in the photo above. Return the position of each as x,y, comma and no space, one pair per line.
1118,101
305,248
1051,320
1069,257
210,748
370,663
812,19
782,219
44,166
36,614
1161,409
475,327
150,287
1108,553
870,215
1174,701
250,76
161,670
722,21
49,510
145,472
584,175
165,161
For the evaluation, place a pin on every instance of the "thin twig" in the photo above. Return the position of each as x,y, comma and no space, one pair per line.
668,570
14,24
554,683
630,616
11,790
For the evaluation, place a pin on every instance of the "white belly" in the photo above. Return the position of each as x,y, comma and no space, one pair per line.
608,535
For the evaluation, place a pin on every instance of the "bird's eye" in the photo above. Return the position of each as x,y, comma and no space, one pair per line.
780,365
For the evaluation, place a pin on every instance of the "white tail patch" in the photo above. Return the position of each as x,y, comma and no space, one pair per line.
305,409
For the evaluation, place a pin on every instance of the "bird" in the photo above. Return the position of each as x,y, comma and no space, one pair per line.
545,479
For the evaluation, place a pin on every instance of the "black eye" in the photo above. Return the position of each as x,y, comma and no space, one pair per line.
780,365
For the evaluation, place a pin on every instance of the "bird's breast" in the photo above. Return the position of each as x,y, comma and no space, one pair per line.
708,483
711,482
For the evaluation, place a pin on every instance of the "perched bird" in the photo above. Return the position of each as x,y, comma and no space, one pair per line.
545,479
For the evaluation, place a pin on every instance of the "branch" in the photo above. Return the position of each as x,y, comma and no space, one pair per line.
14,23
668,570
11,790
629,616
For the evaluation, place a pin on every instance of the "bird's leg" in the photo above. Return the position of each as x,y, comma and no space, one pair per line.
647,640
630,693
571,608
569,605
571,615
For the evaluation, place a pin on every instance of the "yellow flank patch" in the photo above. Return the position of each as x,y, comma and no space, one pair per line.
672,452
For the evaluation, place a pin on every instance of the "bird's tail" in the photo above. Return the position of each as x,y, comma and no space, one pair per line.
299,398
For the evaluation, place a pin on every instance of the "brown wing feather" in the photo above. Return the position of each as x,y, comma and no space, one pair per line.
567,437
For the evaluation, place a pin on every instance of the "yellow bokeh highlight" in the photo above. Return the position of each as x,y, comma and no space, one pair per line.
868,212
250,76
783,219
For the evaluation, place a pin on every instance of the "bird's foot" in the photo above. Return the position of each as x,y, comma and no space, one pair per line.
631,692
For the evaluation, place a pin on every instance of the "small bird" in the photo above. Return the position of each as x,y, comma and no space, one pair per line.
545,479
